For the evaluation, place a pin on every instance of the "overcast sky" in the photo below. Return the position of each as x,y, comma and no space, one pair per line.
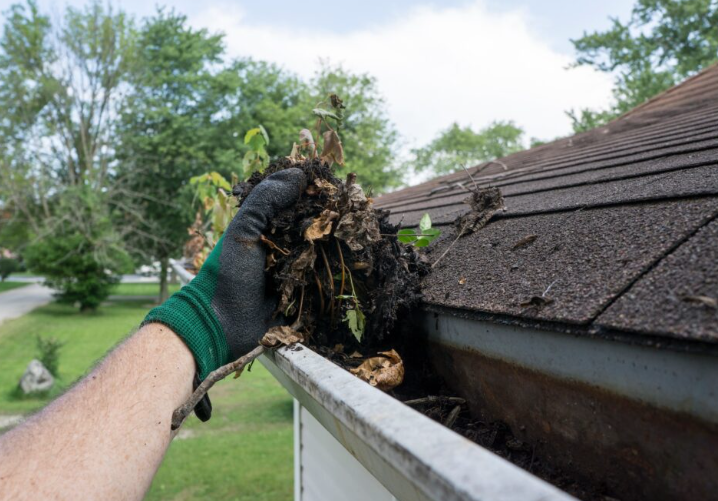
469,61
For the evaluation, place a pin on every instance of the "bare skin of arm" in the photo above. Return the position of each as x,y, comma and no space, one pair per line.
106,437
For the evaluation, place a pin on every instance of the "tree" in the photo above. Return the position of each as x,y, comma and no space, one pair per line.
457,146
663,42
82,260
262,93
368,137
177,123
59,90
8,265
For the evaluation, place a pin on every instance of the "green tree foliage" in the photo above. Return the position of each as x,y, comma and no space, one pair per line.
8,265
663,42
59,88
263,93
82,260
175,125
368,137
114,121
457,146
257,158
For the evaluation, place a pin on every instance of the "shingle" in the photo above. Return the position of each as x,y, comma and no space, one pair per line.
681,183
566,177
605,206
539,169
666,301
589,256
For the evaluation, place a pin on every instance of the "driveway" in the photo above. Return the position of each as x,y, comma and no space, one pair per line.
16,302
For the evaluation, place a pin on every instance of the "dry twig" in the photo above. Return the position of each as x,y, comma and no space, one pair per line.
432,399
461,233
451,418
181,413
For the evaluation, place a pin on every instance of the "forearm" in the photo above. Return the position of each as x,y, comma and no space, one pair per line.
106,437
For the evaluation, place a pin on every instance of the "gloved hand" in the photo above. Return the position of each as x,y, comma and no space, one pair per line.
225,310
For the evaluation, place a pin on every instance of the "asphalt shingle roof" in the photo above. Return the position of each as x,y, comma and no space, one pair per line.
624,219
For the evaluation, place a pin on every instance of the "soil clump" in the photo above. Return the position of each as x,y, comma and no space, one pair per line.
342,276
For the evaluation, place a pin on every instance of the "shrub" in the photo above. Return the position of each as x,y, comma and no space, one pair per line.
49,353
8,266
82,256
70,266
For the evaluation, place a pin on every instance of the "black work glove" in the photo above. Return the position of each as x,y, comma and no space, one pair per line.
225,310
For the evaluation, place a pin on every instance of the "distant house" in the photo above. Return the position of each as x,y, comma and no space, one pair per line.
585,316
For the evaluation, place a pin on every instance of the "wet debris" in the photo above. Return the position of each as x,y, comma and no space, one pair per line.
484,203
341,274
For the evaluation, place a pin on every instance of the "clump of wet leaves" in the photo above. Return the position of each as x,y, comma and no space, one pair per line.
335,261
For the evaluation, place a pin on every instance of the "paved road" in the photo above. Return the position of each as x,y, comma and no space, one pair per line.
16,302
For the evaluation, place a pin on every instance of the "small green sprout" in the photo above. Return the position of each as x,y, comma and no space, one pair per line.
257,158
355,318
424,237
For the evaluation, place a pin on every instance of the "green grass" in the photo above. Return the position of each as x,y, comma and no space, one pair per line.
141,289
7,286
244,452
23,274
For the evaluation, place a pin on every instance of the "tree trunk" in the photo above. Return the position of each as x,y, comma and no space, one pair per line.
164,290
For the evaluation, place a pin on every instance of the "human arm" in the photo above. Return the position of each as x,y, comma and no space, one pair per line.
106,437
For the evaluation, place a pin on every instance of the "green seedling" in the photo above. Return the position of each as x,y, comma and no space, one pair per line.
355,318
423,237
257,158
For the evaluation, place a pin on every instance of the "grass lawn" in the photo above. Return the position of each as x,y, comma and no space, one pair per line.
6,286
141,289
22,274
244,452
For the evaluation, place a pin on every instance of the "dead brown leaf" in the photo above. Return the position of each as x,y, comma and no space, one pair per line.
297,270
306,140
484,203
321,226
385,372
295,156
462,280
280,335
200,258
356,354
325,186
358,228
333,150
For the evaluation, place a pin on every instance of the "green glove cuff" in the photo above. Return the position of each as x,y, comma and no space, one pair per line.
190,315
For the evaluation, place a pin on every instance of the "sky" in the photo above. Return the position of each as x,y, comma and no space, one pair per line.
436,62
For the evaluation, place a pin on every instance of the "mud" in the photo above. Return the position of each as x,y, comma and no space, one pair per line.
334,252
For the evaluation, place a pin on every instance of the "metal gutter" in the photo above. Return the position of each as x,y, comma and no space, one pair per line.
184,275
681,382
632,421
414,457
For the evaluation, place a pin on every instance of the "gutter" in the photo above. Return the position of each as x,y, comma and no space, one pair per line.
412,456
631,420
